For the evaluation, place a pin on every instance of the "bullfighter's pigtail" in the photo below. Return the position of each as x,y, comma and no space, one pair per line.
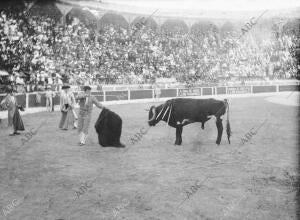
228,129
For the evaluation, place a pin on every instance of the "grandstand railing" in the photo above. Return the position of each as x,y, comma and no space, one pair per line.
29,100
180,85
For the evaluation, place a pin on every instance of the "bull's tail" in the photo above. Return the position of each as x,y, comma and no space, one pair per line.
228,129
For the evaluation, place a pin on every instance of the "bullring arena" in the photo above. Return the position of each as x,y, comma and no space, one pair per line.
58,58
51,177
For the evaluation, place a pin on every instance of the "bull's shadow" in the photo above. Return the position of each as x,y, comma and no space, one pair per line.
109,129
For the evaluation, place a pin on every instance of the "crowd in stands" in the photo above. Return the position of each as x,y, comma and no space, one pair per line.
40,51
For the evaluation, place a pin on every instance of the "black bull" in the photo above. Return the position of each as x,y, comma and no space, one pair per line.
109,128
181,111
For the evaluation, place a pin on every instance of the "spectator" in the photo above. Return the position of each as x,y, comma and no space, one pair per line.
52,53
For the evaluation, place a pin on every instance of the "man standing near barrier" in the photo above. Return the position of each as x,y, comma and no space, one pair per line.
86,101
67,105
15,122
49,99
75,117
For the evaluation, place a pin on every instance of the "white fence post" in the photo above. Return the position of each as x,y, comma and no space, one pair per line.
104,96
27,100
128,94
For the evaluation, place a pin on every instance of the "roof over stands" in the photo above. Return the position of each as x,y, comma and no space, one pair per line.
147,21
215,9
227,27
292,26
123,13
202,27
47,8
84,15
175,25
114,19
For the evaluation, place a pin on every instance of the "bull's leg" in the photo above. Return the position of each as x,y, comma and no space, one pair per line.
178,135
220,130
202,126
203,122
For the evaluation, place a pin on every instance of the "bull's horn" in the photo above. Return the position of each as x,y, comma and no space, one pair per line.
154,113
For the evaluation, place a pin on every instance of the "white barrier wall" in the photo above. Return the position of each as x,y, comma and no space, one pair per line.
29,100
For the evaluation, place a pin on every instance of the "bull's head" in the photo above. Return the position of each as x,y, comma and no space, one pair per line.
156,114
152,116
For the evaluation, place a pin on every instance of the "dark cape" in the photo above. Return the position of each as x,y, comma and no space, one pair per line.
17,121
109,128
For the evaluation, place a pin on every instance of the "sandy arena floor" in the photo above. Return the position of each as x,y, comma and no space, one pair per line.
51,177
